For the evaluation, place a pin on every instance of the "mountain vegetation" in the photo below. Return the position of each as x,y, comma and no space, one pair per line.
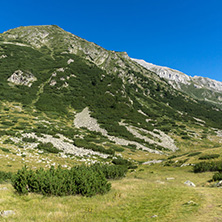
78,120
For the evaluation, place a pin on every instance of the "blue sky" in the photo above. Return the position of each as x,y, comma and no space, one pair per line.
181,34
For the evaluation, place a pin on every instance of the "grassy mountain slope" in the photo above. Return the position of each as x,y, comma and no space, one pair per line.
51,80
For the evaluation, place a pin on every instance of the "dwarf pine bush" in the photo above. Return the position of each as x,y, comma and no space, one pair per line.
84,180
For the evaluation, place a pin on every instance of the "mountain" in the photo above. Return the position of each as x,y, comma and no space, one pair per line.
67,86
198,87
66,102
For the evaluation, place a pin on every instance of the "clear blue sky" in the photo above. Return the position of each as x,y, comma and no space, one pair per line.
181,34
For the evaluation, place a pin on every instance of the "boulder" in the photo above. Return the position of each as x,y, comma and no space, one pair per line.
6,213
189,183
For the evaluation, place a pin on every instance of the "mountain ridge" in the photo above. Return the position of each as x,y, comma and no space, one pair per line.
211,89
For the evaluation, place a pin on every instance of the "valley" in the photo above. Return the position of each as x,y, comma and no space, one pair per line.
66,102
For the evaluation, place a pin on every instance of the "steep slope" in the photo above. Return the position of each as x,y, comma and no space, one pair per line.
198,87
55,77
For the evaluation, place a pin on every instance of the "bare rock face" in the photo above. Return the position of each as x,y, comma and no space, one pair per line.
22,78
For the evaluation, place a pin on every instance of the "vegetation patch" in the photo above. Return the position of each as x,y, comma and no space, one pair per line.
48,147
209,156
5,176
87,181
207,166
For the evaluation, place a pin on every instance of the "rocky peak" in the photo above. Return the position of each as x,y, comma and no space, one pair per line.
175,77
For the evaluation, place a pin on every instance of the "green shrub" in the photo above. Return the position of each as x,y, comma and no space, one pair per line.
48,147
207,166
217,176
83,143
111,171
29,139
194,154
60,182
209,156
123,162
5,150
5,176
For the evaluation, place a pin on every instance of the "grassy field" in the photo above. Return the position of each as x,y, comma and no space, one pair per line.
140,196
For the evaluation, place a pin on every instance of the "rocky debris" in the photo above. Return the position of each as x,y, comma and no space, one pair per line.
22,78
66,147
219,184
190,203
60,70
154,216
52,83
170,178
70,61
187,164
83,119
3,188
152,162
164,140
189,183
160,182
3,56
6,213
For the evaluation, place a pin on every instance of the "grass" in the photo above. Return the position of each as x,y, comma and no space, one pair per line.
137,197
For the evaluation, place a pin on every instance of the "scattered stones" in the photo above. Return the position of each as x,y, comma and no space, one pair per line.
6,213
70,61
3,188
152,162
170,178
154,216
219,184
21,78
190,203
189,183
160,182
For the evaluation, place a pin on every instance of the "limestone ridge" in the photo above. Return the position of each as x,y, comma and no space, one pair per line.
199,87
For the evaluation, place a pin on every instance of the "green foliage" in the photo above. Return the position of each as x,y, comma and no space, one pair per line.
209,156
5,150
123,162
194,154
87,145
29,139
48,147
207,166
217,176
83,180
111,171
5,176
8,141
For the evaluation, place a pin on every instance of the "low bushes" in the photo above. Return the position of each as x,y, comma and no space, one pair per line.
60,182
48,147
207,166
87,181
5,176
217,176
194,154
209,156
111,171
83,143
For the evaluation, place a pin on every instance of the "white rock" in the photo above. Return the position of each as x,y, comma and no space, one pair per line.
189,183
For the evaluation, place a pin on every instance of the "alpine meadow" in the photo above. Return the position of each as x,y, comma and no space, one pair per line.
88,134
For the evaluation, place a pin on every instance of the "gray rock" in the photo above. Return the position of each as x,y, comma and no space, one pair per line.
3,188
6,213
189,183
154,216
170,178
219,184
